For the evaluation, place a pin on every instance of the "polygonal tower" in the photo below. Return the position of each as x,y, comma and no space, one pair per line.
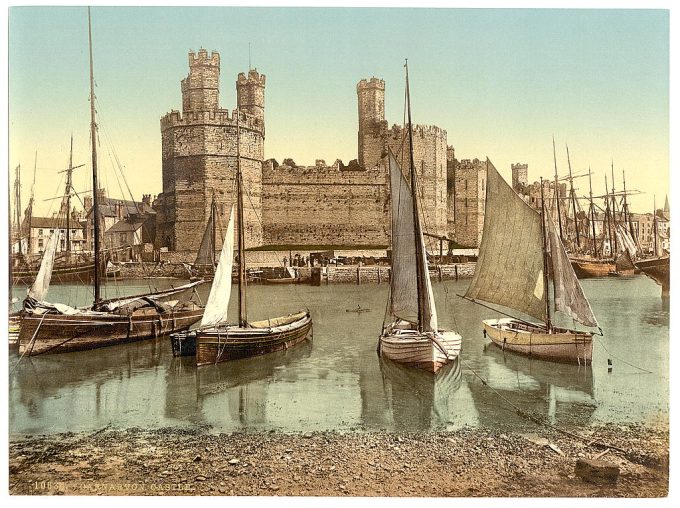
372,124
250,94
200,157
519,175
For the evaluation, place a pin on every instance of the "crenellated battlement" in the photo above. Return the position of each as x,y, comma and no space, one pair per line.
215,117
254,78
371,83
396,132
202,58
471,164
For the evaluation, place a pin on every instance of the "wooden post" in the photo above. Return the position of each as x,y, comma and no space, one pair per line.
358,275
455,268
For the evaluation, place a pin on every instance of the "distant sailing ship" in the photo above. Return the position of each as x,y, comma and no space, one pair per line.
412,336
519,254
658,266
58,328
215,340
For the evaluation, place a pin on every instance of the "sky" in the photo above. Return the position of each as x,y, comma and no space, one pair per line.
501,82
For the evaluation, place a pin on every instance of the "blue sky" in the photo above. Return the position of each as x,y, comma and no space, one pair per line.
501,82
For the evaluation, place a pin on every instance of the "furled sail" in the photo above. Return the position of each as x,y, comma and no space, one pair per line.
41,284
404,282
206,252
569,297
509,268
218,301
626,242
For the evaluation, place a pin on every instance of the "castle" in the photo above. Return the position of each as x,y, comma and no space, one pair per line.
287,205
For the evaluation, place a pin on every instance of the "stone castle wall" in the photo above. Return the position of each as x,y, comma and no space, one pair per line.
469,178
324,206
200,154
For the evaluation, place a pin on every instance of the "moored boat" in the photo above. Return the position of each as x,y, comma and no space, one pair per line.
58,328
518,277
217,340
412,336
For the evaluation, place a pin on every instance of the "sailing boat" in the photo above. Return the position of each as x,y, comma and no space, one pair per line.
204,265
519,254
58,328
216,340
412,336
68,266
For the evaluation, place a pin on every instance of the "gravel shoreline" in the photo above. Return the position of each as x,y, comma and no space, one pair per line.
466,462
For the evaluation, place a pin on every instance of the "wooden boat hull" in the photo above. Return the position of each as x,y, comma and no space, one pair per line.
59,333
563,345
226,343
287,280
585,269
427,351
659,270
14,326
60,274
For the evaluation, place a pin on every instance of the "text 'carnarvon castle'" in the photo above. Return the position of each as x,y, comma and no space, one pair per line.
334,205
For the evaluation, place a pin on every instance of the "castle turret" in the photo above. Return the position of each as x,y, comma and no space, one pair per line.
250,94
519,175
200,89
372,124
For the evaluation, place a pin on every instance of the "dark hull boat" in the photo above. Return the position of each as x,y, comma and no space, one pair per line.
260,337
217,340
59,333
57,328
659,270
82,272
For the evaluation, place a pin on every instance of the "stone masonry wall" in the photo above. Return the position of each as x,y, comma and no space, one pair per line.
469,201
324,206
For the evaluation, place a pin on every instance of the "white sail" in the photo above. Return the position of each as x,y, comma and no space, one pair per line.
404,282
41,284
218,300
569,296
509,268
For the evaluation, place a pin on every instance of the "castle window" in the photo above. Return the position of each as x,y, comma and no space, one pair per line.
466,205
466,185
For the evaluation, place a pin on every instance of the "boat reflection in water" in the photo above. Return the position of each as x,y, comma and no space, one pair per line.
84,390
558,391
417,399
235,391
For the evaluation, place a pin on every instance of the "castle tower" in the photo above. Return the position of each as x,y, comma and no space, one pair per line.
469,201
372,124
250,94
200,89
519,175
199,157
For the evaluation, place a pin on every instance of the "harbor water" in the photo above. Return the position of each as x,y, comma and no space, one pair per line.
337,382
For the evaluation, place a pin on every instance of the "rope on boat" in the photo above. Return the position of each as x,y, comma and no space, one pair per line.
540,420
30,344
622,360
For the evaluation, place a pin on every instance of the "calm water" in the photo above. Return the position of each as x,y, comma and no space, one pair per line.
337,381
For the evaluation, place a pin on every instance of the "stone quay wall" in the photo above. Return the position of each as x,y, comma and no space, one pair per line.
375,274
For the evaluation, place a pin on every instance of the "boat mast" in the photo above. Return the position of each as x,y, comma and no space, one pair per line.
213,214
655,229
592,212
616,243
30,205
607,215
573,200
69,175
626,211
242,317
544,246
95,187
17,202
416,221
557,194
